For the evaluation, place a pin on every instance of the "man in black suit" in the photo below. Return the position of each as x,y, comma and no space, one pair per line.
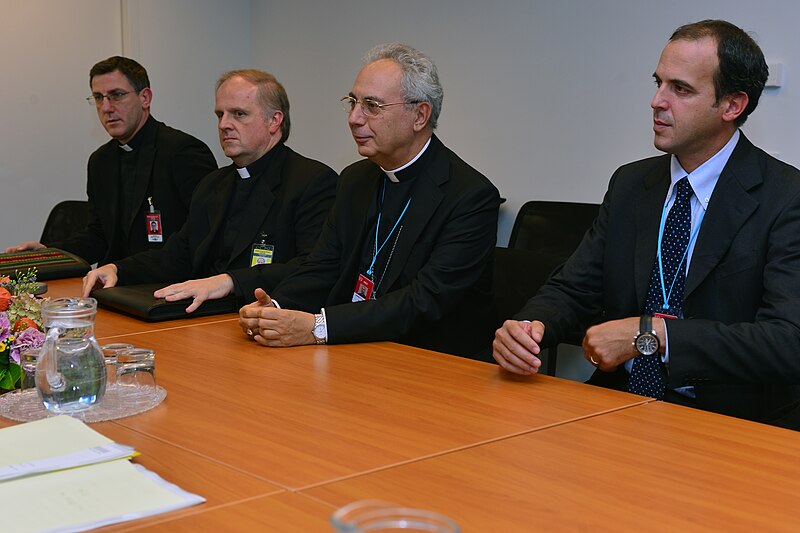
719,326
260,215
145,174
406,252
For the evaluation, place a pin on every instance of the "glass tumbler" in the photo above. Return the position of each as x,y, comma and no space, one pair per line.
110,352
375,515
136,368
27,361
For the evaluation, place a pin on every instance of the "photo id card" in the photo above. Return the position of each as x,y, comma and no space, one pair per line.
261,254
154,230
363,290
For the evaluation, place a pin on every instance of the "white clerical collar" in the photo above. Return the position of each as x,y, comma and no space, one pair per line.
390,173
126,147
243,173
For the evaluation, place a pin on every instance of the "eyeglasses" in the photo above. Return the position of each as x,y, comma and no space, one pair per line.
116,96
368,105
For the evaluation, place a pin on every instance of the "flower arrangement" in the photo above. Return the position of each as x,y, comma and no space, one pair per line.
20,325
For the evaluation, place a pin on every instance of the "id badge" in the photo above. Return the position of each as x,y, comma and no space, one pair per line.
261,254
363,290
155,232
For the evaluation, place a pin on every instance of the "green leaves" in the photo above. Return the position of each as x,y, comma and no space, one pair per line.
10,375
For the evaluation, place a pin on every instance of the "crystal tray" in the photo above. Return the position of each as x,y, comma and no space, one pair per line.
119,401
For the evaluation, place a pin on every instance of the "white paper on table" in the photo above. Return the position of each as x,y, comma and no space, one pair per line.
54,444
89,497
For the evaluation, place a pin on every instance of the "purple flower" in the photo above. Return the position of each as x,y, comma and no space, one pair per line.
5,326
31,338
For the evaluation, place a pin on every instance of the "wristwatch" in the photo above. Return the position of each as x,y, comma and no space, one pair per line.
646,342
319,329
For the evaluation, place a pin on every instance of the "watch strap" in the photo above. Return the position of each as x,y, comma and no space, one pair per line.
646,324
320,330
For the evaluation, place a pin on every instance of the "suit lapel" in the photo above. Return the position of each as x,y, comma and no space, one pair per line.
649,206
426,196
730,206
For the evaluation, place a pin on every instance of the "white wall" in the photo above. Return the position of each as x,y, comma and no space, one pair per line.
545,98
185,45
48,129
48,47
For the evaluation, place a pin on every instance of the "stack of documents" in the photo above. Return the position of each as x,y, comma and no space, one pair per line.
58,474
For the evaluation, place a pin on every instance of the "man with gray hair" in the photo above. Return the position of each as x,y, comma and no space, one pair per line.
255,218
405,254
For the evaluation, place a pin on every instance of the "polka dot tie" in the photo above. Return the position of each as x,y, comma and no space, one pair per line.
647,376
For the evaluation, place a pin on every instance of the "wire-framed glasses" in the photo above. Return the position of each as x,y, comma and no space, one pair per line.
370,107
115,96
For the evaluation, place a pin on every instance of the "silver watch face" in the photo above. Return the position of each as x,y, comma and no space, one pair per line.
647,344
318,331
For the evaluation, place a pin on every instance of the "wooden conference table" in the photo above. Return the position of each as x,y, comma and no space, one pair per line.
277,439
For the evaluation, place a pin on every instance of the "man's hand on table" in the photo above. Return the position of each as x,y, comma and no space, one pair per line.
105,277
270,326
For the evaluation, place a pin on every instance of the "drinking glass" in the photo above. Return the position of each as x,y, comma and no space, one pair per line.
136,368
27,361
110,352
375,515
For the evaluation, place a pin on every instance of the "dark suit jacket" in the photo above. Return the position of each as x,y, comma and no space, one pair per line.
169,166
439,278
740,343
289,204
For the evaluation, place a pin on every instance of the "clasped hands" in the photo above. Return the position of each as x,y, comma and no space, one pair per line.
606,346
271,326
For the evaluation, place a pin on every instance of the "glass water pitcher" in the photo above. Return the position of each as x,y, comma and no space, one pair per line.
71,371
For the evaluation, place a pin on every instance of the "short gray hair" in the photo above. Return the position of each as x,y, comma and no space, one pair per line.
420,82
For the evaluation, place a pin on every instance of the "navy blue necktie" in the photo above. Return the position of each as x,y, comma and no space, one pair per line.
647,377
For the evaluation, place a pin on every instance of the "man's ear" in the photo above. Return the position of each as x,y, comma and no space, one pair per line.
146,96
734,105
422,116
275,122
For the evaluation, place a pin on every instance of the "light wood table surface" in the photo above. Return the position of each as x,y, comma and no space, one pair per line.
277,439
653,467
307,415
285,512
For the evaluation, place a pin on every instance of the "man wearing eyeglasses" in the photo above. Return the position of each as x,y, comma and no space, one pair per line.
142,178
406,252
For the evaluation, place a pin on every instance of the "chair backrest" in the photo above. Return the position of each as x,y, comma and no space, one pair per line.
64,220
554,228
544,236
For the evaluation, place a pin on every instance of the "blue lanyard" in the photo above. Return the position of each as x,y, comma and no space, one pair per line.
693,236
377,249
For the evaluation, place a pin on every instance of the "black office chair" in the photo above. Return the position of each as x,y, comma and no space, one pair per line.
543,237
552,227
65,219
